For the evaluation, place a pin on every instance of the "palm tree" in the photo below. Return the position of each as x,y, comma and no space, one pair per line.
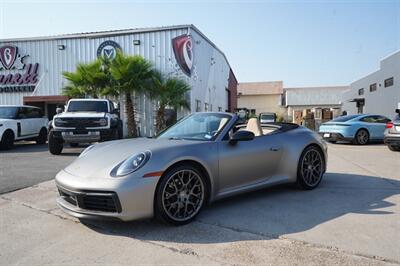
131,75
169,92
88,80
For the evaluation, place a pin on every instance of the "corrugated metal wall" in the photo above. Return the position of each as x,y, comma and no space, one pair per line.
209,79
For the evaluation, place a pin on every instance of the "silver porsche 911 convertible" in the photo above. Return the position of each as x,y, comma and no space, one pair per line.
202,158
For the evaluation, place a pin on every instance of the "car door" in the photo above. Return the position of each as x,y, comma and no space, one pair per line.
23,124
248,162
379,126
36,120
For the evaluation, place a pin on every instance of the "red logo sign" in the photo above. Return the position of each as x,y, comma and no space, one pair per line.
8,54
183,50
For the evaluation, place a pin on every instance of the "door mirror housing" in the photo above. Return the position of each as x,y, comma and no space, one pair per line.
59,110
116,111
398,111
241,135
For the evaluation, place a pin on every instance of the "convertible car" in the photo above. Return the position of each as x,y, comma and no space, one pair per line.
202,158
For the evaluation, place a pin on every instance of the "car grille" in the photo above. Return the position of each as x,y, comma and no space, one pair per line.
78,122
92,200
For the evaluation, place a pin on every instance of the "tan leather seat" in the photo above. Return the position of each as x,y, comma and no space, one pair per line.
254,126
222,123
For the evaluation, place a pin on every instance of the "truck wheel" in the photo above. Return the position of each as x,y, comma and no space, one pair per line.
394,148
55,146
42,138
74,145
7,140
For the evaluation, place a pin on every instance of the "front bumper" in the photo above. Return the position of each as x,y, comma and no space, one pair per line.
392,139
83,135
125,199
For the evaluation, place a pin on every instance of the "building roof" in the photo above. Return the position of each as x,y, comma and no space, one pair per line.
260,88
100,34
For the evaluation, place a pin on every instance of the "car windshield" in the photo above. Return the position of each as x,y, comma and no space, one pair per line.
8,112
345,118
198,126
267,117
88,106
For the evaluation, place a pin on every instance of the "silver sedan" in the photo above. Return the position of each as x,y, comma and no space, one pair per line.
202,158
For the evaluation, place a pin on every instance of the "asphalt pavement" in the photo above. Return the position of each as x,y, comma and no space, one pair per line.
351,219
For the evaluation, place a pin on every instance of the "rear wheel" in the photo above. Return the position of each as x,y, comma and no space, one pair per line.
311,168
55,146
362,137
394,148
42,138
181,195
7,140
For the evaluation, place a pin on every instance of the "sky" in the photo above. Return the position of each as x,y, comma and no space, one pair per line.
303,43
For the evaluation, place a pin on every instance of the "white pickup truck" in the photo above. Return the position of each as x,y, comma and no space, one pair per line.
84,121
21,122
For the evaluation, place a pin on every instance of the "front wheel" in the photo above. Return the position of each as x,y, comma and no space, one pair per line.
7,140
180,195
55,146
394,148
311,168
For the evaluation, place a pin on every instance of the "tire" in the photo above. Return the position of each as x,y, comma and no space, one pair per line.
74,145
311,168
175,208
120,132
394,148
42,138
361,137
115,135
7,140
55,146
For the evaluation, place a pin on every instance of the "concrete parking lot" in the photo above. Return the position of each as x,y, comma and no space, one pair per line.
352,218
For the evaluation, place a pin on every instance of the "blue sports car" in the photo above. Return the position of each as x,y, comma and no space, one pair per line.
359,129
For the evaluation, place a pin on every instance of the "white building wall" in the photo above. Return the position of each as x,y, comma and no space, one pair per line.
209,77
383,101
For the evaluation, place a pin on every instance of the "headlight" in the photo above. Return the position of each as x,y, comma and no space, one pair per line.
131,164
85,151
103,122
58,122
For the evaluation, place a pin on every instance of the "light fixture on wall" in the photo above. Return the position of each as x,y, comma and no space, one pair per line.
136,42
61,47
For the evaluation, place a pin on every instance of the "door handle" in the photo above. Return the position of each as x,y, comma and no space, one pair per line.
275,148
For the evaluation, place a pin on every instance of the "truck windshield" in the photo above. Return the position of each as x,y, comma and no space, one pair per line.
8,112
88,106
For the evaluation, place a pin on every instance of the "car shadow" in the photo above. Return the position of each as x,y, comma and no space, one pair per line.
268,213
30,147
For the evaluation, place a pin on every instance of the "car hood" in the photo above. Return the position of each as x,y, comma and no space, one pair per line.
5,120
103,157
80,114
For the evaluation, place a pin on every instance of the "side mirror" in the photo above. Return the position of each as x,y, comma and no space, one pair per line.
59,110
398,111
116,111
241,135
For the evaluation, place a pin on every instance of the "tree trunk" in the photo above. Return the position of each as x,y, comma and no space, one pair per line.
130,115
160,120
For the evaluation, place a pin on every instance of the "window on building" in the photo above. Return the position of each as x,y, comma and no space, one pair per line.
361,91
198,106
219,109
372,87
389,82
210,107
205,107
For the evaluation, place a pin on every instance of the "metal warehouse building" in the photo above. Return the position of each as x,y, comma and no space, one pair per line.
31,68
